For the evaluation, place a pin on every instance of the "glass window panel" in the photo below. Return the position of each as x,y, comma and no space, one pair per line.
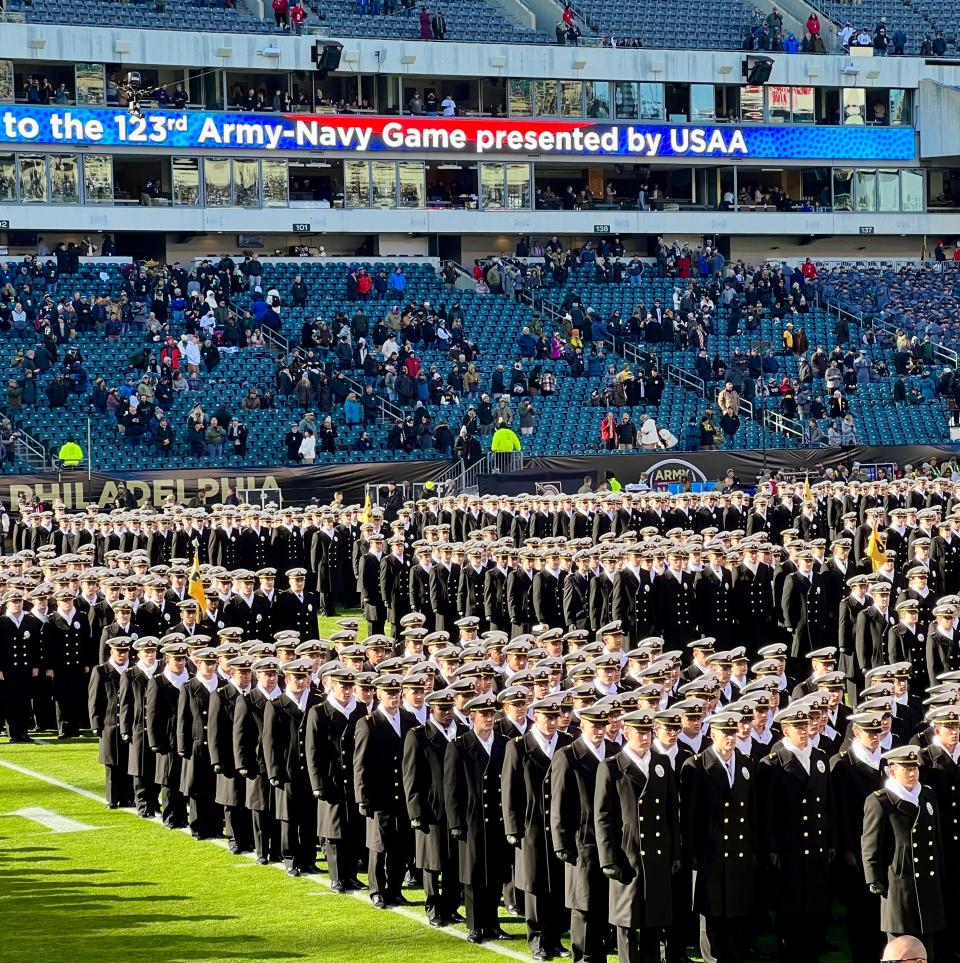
751,105
383,177
703,103
571,98
186,181
627,99
911,190
521,98
6,81
854,104
98,179
491,186
778,105
518,186
275,183
888,190
546,91
33,178
413,187
842,190
598,98
900,108
803,111
64,179
216,182
652,102
8,177
91,85
246,183
356,181
866,191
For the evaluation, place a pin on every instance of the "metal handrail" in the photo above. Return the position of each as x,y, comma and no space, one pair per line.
387,408
30,450
676,373
275,340
778,422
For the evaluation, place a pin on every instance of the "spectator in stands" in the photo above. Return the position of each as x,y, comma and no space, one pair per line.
164,437
292,441
527,417
899,41
812,435
308,448
327,435
468,448
708,431
833,435
649,433
728,400
56,392
848,432
237,437
881,40
939,44
215,435
626,433
426,29
297,17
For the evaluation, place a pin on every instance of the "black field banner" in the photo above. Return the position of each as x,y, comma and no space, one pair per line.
299,486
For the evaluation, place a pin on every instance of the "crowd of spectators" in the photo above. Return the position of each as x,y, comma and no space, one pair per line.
766,32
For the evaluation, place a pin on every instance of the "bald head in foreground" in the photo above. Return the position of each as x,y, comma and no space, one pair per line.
905,949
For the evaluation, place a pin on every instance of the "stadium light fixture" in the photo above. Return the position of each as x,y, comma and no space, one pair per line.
657,67
270,51
408,59
224,52
498,61
725,69
122,47
579,64
37,43
351,56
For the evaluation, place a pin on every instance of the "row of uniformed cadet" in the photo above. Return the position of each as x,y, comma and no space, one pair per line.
621,804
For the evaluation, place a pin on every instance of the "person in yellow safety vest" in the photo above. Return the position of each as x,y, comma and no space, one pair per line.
504,439
71,454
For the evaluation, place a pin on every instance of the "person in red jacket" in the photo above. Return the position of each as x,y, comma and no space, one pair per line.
364,283
297,17
280,12
608,431
813,25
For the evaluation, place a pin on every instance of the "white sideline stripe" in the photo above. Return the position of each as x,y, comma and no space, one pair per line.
403,911
52,821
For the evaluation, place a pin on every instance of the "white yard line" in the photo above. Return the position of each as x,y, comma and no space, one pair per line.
404,911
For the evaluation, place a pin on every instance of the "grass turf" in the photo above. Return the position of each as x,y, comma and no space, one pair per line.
130,889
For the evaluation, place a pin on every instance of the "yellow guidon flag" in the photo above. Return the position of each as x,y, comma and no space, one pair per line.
875,551
367,516
807,490
196,585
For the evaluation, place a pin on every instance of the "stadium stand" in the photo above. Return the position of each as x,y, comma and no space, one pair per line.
169,15
782,391
466,20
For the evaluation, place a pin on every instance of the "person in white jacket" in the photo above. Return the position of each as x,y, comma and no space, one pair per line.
649,434
308,448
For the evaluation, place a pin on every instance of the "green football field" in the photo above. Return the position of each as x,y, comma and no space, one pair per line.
79,882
